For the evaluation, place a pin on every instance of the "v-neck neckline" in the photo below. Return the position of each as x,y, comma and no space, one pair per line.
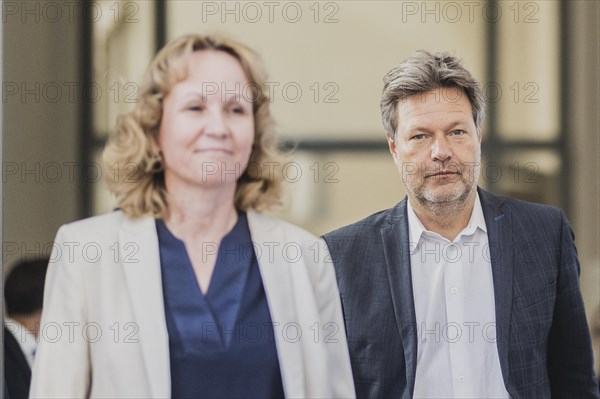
222,300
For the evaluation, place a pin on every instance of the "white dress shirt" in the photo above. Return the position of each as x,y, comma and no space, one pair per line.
453,291
26,339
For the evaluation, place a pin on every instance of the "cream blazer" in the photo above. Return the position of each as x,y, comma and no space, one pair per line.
104,334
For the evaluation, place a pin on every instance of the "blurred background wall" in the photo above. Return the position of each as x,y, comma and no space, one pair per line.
69,68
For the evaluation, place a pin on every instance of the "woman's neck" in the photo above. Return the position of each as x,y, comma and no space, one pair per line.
201,213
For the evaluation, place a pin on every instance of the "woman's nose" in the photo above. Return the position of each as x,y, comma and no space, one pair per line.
215,124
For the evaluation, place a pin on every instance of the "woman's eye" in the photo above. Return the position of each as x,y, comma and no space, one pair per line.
195,108
239,110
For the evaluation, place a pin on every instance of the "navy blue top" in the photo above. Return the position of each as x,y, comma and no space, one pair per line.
221,343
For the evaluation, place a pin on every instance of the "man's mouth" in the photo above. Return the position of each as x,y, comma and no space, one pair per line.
443,173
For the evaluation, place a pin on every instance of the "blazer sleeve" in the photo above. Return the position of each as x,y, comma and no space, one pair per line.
570,358
333,329
61,367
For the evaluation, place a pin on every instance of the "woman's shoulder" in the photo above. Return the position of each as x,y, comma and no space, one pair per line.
107,224
98,221
273,225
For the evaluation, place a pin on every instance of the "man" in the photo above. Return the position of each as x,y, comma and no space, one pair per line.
455,292
23,293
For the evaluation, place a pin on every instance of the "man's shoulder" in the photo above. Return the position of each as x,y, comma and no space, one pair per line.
350,243
522,209
363,228
9,340
527,218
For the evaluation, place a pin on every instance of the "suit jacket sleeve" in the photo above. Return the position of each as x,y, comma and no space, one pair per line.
570,359
61,366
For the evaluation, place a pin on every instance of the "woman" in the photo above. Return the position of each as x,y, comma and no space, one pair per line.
187,291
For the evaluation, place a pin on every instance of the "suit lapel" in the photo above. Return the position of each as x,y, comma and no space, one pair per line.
500,237
394,234
143,276
267,237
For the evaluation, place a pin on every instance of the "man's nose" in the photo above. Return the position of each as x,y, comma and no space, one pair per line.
441,150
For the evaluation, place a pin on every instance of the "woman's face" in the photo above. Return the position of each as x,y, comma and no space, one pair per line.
207,127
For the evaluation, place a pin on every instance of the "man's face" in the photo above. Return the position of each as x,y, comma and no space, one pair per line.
437,148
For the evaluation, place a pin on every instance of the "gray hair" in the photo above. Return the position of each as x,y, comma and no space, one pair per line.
424,72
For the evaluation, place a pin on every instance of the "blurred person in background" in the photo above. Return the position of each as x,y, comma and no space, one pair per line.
456,292
189,291
23,296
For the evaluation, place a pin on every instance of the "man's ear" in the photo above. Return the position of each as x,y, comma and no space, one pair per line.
391,145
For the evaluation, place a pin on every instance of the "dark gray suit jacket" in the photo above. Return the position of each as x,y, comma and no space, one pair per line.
17,374
542,333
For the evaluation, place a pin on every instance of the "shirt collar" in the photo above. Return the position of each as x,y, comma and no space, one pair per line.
477,219
416,229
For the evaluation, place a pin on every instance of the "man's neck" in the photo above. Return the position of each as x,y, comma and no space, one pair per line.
31,322
448,220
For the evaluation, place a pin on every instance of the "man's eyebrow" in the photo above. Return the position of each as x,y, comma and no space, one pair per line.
460,124
424,129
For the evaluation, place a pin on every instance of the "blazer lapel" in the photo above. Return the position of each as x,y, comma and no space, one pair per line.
267,237
500,237
143,275
394,234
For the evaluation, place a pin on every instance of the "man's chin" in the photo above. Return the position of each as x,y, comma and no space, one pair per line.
441,197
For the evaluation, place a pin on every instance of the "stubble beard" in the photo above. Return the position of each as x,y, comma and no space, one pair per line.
444,205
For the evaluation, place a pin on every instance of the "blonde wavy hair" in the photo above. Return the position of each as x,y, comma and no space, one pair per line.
132,156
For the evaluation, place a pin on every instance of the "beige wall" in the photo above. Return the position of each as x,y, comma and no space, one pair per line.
40,134
351,46
124,47
528,70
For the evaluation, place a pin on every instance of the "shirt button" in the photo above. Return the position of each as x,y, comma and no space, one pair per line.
461,379
454,290
451,254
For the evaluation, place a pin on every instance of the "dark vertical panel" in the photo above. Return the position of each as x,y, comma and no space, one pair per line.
86,142
490,137
160,22
564,103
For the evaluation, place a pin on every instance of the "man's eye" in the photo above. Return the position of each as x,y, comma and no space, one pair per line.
418,137
458,132
239,110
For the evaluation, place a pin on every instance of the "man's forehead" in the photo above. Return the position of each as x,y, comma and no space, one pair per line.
440,110
444,95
